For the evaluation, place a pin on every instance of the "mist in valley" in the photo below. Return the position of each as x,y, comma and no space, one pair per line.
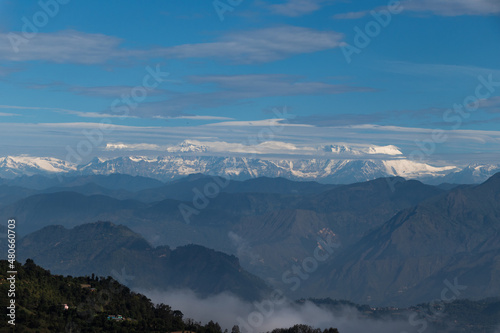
266,315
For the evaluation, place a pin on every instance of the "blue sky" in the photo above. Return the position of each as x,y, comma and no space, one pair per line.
431,66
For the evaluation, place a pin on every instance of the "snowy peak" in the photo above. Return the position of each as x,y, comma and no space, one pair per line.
332,170
339,149
281,148
13,166
472,174
335,169
362,150
189,146
410,169
385,150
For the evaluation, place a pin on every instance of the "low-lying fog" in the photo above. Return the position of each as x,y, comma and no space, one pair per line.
264,316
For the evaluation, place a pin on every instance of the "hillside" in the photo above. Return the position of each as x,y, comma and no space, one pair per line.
67,208
400,239
455,237
41,298
464,315
112,250
265,222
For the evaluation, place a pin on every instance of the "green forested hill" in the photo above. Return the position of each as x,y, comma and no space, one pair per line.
40,299
47,303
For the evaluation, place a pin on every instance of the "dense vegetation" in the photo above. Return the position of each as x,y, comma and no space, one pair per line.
92,302
41,296
304,329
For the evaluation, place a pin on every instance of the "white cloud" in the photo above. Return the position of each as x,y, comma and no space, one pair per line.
88,125
274,147
261,85
109,91
491,104
92,114
350,15
454,7
63,47
266,147
274,123
459,132
437,70
196,117
440,8
205,118
257,46
17,107
81,114
294,8
135,146
226,90
46,139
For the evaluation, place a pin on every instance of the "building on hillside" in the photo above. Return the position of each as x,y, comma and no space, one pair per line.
115,317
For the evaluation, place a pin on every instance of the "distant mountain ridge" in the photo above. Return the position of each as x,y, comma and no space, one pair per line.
331,168
400,239
265,221
113,250
453,237
144,189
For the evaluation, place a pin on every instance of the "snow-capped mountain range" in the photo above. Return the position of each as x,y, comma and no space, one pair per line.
338,164
344,149
14,166
219,148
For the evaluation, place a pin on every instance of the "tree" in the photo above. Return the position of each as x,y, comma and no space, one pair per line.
212,327
235,329
178,314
